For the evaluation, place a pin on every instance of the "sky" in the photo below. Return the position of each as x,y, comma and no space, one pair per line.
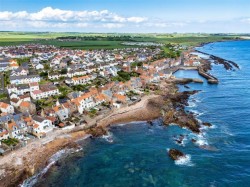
126,16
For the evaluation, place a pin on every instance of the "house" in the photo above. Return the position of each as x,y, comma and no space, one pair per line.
41,126
34,86
53,76
100,98
4,134
22,89
4,67
6,108
13,129
77,72
26,106
24,79
39,66
120,98
54,120
20,71
5,117
83,102
61,112
72,108
81,80
44,92
15,102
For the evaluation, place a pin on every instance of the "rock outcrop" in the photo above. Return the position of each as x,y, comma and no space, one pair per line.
97,131
175,154
207,124
174,112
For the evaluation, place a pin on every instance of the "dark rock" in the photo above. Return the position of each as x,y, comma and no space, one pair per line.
228,65
97,131
182,119
178,141
207,124
194,140
175,154
150,123
182,137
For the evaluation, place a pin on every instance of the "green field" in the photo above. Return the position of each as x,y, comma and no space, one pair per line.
105,41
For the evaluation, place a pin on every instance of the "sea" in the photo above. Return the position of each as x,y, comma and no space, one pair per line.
136,154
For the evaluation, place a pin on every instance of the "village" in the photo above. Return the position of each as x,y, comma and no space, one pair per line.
44,88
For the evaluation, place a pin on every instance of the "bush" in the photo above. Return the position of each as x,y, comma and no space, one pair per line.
11,141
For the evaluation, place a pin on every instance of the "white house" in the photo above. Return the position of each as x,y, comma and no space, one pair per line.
19,72
34,86
39,66
6,108
42,125
83,102
81,80
22,88
24,79
44,93
14,131
4,134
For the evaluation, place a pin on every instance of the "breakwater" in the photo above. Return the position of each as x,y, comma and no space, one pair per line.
210,78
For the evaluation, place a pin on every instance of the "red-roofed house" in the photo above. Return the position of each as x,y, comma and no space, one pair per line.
4,107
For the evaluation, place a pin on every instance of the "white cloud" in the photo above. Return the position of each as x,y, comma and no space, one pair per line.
52,18
50,14
113,25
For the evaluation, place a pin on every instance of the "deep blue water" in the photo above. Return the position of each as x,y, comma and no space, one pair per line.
138,154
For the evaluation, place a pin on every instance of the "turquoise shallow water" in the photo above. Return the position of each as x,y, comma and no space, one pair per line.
138,154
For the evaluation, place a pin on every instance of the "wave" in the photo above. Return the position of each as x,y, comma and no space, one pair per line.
53,159
181,142
227,132
109,137
196,112
185,161
192,104
201,140
121,124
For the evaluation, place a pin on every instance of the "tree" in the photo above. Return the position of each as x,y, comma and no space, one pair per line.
64,71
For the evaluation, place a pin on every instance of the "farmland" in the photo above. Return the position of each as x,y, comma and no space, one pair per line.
104,41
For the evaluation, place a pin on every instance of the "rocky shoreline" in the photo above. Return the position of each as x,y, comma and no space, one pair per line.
228,64
168,103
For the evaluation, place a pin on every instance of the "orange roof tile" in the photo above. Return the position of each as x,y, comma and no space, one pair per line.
4,105
25,104
35,126
120,97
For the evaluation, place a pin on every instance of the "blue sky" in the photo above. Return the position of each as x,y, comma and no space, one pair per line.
126,15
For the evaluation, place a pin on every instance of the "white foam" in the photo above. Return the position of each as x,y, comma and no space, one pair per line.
121,125
201,140
196,112
184,160
183,142
226,131
109,137
191,104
